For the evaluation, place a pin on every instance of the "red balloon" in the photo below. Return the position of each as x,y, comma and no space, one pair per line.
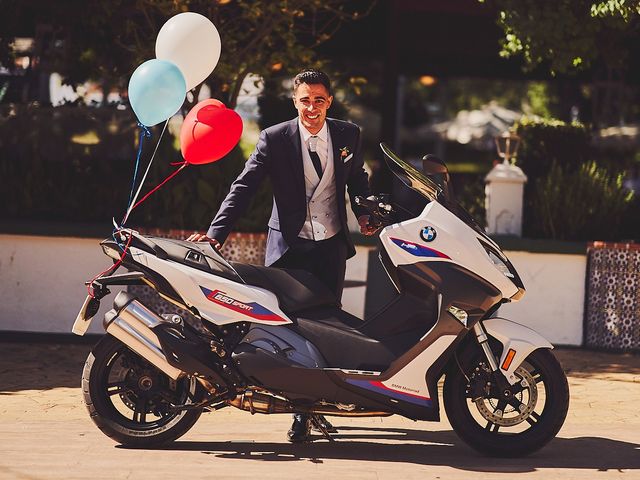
211,101
210,131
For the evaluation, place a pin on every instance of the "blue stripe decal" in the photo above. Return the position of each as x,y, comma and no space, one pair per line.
416,249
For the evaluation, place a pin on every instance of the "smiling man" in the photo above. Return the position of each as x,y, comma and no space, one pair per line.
311,161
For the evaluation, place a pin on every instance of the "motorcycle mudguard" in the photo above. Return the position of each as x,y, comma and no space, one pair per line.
513,336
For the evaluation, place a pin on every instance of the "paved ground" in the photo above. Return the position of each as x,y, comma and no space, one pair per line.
45,432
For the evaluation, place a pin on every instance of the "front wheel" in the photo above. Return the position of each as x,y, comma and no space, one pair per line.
508,423
132,401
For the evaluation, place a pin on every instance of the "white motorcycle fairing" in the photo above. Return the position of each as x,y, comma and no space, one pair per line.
453,241
217,299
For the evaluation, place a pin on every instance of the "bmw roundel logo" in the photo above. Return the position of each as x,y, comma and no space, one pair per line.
428,234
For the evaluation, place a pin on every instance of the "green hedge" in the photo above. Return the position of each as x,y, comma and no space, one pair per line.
547,141
75,164
67,163
588,203
571,193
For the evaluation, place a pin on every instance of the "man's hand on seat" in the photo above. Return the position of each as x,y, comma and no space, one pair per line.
202,237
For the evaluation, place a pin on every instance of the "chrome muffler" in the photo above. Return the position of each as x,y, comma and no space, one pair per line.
131,323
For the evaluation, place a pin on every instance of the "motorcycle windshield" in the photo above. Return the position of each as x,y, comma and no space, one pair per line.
425,186
412,178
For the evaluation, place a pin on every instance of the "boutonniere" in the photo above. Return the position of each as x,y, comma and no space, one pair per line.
344,153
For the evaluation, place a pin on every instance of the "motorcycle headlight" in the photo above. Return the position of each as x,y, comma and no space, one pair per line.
504,266
500,265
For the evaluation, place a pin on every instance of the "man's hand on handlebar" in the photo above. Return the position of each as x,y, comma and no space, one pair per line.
202,237
367,226
380,213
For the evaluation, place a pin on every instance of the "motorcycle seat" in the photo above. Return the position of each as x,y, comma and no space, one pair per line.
297,290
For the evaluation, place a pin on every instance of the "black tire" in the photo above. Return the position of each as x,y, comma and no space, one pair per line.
533,430
110,403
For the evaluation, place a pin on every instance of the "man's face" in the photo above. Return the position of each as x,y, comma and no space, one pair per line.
312,102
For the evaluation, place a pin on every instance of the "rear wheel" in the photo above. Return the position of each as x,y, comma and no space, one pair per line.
512,422
132,401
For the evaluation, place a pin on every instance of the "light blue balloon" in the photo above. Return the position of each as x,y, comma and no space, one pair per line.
157,90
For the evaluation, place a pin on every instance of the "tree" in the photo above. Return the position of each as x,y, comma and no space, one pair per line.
570,36
106,41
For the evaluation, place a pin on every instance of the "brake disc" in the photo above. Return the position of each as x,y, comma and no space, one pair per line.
528,397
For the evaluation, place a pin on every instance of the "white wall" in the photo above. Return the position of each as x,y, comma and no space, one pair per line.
42,282
554,302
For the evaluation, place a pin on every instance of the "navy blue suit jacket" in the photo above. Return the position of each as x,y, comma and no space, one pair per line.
278,155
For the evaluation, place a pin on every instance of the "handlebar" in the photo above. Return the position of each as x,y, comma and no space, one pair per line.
378,207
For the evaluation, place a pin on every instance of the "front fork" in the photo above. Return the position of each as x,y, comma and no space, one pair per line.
483,340
497,375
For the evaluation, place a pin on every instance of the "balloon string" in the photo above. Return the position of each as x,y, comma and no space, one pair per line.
182,165
144,132
144,177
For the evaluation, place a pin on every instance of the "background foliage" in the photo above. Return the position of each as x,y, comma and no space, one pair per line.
568,35
574,191
106,41
594,38
581,204
88,179
75,163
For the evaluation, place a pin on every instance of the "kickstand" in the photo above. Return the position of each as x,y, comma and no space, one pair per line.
315,420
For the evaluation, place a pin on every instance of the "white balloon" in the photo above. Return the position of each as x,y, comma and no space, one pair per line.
192,42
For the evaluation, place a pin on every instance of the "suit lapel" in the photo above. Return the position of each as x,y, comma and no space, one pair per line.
295,154
337,142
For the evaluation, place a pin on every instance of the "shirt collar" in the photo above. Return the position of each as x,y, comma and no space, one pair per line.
322,134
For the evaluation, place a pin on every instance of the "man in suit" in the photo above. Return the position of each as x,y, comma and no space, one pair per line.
310,161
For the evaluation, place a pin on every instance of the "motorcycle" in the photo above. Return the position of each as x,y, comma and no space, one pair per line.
276,340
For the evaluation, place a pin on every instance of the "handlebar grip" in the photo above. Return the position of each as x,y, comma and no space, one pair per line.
365,202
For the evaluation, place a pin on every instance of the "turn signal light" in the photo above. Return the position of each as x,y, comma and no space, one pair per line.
508,359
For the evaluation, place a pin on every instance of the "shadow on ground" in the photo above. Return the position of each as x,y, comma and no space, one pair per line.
581,363
44,365
442,448
40,366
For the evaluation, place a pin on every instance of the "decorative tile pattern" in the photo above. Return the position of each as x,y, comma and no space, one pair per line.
612,315
239,247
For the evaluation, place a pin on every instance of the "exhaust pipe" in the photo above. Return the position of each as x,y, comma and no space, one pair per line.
257,402
265,402
131,323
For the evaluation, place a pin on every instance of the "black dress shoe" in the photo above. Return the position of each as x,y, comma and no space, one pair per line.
326,424
300,429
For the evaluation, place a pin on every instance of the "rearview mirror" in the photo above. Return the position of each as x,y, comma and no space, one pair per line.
437,170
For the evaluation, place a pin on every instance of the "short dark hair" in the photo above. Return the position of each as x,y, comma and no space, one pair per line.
310,77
